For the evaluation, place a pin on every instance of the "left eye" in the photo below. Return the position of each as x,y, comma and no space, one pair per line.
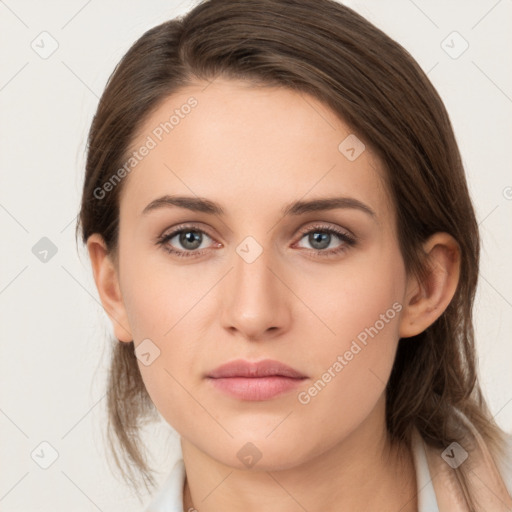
320,239
190,239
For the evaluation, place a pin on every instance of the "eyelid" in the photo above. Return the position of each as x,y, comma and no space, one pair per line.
198,226
182,227
324,226
347,238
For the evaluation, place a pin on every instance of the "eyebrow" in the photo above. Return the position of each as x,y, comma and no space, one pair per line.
198,204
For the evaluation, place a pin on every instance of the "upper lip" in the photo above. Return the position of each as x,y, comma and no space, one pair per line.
265,368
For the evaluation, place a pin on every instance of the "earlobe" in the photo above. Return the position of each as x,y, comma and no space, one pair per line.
426,301
107,283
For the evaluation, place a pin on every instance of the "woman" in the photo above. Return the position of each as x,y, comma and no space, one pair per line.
281,233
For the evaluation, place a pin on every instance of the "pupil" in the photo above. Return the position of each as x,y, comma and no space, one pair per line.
322,238
194,237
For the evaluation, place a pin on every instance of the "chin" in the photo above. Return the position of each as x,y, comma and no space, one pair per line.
262,454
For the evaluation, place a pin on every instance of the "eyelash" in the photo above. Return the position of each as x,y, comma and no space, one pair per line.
348,240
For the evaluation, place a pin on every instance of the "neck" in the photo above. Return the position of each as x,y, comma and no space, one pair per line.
362,472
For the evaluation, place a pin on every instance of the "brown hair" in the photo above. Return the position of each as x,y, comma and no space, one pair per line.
325,49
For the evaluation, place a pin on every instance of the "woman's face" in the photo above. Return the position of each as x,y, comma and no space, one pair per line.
263,280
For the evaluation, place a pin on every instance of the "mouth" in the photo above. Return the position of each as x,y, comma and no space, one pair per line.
247,380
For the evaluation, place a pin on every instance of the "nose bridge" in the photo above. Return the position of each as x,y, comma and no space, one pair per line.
255,296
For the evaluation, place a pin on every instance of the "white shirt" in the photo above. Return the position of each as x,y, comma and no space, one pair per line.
170,497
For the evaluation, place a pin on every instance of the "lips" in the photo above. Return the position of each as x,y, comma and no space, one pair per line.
266,368
255,380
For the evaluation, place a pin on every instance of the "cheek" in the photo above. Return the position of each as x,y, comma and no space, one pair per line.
158,295
350,380
163,308
354,297
361,307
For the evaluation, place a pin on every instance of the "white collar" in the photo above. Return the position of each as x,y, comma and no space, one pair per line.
427,501
170,497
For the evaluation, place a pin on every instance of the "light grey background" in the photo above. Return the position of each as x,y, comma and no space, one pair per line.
53,360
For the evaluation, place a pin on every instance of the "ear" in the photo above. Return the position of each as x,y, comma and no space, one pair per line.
426,301
107,283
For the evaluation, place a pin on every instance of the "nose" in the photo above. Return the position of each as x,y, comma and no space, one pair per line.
256,303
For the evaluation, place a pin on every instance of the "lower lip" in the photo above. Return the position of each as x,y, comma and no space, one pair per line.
255,388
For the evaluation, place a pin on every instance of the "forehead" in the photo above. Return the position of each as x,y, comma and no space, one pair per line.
244,145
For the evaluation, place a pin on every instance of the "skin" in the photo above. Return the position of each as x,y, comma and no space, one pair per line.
254,150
